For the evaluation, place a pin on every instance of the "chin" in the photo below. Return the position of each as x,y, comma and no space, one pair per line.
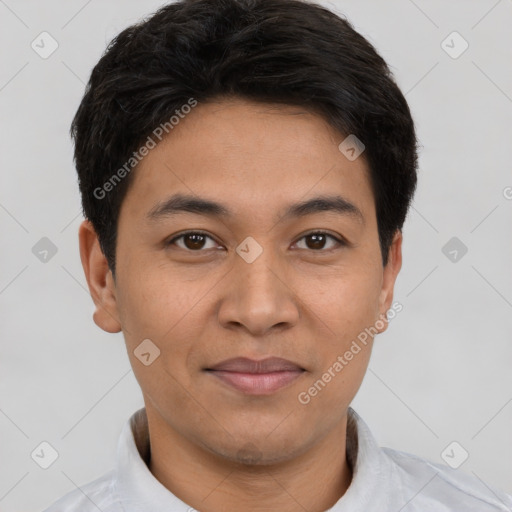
260,452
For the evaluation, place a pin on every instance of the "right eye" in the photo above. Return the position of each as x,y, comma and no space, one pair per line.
192,241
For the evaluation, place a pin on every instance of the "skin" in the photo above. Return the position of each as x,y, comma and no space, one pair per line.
213,446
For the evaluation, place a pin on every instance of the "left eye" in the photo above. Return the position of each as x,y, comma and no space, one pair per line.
195,241
318,241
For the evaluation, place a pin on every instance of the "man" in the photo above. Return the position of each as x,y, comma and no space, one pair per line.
246,167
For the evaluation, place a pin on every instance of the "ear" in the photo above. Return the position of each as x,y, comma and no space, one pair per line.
99,279
390,273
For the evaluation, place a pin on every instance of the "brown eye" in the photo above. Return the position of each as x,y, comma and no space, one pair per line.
192,241
318,241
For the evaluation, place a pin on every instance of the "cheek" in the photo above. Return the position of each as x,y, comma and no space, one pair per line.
155,304
168,310
346,299
345,309
343,350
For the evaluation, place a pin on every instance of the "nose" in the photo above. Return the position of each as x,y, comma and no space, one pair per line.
259,297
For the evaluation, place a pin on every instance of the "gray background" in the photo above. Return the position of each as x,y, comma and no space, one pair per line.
441,373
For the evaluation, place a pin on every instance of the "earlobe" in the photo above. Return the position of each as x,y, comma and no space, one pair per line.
390,273
99,279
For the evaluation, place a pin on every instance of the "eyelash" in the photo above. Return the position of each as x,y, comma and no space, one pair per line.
340,241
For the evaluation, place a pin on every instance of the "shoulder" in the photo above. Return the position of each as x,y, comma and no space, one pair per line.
427,483
96,495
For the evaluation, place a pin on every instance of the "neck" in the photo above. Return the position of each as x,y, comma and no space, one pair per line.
313,481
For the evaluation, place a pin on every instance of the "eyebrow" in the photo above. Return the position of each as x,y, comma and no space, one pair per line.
180,203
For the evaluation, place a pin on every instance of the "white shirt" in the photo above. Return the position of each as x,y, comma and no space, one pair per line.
384,480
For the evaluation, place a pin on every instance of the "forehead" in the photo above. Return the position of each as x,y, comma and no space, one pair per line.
252,156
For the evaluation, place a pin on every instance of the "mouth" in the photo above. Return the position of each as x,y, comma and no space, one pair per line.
253,377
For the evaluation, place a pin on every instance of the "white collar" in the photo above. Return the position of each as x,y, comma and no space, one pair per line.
374,474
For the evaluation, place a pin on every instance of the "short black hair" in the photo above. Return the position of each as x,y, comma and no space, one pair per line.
292,52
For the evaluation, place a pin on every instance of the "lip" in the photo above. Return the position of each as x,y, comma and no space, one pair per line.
256,377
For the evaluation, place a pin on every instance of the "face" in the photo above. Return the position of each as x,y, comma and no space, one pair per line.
266,272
